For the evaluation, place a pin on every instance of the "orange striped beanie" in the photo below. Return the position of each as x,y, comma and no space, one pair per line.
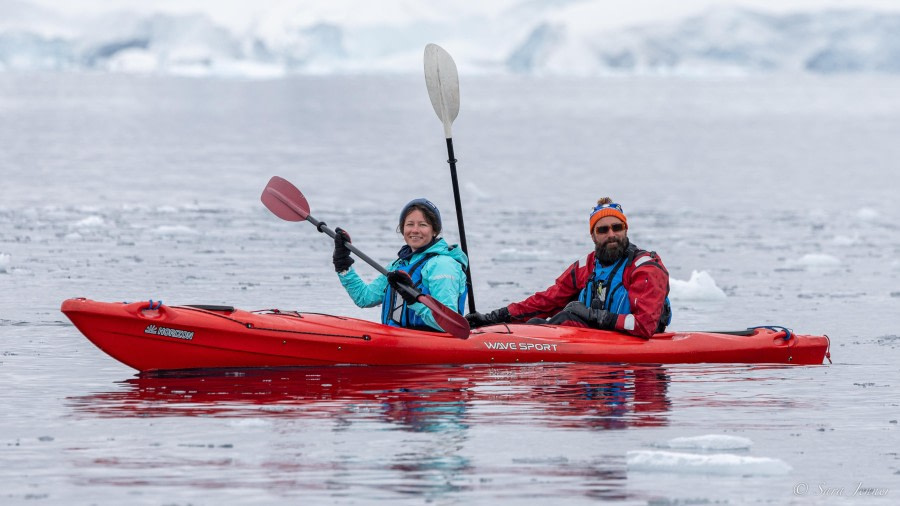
606,207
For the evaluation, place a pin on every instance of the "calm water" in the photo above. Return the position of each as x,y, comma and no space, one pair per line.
128,188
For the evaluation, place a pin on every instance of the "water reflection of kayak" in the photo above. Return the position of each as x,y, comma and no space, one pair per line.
420,398
188,337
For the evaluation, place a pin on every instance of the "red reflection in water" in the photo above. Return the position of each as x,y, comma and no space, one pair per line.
424,398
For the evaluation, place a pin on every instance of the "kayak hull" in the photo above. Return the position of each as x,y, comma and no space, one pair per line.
185,337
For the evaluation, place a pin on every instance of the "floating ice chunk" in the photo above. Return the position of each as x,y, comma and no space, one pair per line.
867,214
174,230
701,286
4,262
89,222
713,442
815,260
845,240
718,463
514,255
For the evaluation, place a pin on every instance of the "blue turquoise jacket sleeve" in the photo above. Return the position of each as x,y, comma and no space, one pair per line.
443,276
364,294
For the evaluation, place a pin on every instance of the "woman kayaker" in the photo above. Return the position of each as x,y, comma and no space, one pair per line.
426,262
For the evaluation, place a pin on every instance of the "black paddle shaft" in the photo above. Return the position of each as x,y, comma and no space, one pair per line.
460,221
322,227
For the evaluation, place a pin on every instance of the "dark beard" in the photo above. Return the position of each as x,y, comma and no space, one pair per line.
611,250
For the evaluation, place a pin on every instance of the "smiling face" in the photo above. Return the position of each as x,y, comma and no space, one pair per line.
417,231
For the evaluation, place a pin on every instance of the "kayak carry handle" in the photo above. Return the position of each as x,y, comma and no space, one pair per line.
148,309
788,333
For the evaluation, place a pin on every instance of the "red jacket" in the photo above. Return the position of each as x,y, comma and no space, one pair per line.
645,278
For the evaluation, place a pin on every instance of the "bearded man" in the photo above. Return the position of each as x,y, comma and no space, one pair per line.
618,286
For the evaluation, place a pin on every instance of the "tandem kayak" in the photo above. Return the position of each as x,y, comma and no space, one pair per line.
151,338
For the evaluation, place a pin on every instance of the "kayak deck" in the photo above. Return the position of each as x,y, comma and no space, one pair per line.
191,337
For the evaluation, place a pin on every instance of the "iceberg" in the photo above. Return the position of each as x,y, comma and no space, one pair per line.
505,37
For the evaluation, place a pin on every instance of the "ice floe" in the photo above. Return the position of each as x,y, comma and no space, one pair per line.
815,260
90,222
845,240
708,442
701,286
867,214
174,230
515,255
717,463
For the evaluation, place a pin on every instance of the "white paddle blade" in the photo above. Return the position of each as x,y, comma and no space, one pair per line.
442,81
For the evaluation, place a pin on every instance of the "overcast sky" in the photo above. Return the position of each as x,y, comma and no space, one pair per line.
621,12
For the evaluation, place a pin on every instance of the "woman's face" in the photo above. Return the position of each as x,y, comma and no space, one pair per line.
417,232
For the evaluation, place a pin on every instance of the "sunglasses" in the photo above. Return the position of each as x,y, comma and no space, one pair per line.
604,229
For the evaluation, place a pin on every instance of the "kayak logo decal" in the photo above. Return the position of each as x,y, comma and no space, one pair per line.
520,346
187,335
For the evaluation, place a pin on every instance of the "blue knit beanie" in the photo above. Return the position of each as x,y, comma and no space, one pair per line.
426,204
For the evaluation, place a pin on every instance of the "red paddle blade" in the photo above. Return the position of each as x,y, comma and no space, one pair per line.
452,322
285,200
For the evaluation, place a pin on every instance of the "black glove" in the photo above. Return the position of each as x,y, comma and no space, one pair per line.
602,318
481,319
398,279
341,257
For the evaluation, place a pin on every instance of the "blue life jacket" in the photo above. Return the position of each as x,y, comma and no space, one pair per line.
606,288
394,310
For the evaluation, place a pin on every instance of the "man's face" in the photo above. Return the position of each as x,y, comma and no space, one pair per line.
610,238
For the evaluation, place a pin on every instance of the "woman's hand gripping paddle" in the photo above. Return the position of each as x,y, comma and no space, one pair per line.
285,201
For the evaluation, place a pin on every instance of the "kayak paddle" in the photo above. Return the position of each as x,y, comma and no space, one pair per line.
285,201
442,82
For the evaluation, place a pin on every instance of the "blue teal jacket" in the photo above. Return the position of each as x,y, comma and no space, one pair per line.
443,276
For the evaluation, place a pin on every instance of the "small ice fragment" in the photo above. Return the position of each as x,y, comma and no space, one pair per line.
701,286
713,442
718,463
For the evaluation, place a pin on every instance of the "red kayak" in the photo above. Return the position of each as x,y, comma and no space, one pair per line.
148,338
